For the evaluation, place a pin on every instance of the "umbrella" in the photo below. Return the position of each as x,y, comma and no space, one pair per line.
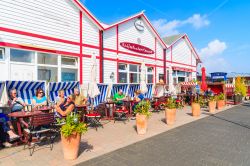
170,86
93,89
3,94
143,85
203,79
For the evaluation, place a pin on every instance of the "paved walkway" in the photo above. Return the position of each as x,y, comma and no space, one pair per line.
221,139
96,143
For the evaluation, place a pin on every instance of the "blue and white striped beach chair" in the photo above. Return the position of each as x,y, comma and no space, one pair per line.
2,84
117,87
103,88
25,89
149,93
132,89
68,88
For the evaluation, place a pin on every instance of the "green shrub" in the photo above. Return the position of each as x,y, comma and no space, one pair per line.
221,96
240,87
171,103
72,125
143,108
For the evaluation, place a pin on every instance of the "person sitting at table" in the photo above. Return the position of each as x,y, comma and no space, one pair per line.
67,107
118,99
209,92
61,97
15,103
80,100
40,98
6,131
138,97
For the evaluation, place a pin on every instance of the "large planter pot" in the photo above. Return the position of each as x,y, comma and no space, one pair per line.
71,146
212,106
220,104
170,115
141,123
196,109
237,99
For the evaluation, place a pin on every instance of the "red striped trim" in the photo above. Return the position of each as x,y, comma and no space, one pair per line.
117,39
81,62
101,56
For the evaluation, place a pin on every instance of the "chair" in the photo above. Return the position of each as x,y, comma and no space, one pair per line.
39,124
158,105
121,113
93,117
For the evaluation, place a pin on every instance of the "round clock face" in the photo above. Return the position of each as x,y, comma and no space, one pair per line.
139,25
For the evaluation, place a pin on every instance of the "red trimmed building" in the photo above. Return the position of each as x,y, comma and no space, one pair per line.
54,41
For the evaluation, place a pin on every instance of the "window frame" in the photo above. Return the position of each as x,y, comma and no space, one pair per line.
3,54
26,63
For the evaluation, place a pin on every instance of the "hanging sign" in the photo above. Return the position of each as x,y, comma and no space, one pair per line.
137,48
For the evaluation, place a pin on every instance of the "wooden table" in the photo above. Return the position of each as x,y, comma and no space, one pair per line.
45,109
82,110
130,102
20,115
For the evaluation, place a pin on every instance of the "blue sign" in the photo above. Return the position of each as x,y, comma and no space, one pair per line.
68,76
219,75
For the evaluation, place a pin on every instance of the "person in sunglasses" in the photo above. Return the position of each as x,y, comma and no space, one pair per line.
40,98
15,103
67,107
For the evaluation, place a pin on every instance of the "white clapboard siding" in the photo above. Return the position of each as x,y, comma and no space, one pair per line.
159,51
110,66
90,31
128,33
181,52
168,54
40,43
57,18
109,38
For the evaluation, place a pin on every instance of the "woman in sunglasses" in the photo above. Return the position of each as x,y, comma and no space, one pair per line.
67,107
40,98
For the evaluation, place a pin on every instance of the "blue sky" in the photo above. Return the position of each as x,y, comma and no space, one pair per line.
218,29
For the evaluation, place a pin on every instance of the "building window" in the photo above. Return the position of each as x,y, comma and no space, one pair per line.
123,73
1,53
69,74
69,70
69,61
161,77
134,73
47,59
21,56
150,75
47,73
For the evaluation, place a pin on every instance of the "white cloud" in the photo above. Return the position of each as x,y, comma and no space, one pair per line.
166,28
211,56
213,48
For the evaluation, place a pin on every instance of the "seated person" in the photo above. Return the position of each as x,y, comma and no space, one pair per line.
80,100
67,107
40,99
138,96
6,131
61,97
15,103
209,92
118,99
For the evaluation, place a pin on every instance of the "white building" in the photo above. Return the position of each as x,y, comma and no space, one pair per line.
54,41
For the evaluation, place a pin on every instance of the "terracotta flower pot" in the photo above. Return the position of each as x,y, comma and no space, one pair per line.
220,104
141,123
71,146
170,115
212,106
196,109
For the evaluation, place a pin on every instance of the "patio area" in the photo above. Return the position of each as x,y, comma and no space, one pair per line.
95,143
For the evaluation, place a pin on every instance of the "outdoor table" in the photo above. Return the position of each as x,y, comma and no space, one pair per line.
130,102
45,109
19,116
108,105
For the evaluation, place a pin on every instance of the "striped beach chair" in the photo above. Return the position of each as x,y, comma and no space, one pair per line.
103,88
149,94
68,88
2,84
117,87
132,89
25,89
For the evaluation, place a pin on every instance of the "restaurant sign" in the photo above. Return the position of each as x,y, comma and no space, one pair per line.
136,48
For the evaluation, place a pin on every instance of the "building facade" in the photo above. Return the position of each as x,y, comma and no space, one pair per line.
54,41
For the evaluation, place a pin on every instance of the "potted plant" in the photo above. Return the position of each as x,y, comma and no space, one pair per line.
240,90
170,111
220,101
212,104
71,133
196,108
142,114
